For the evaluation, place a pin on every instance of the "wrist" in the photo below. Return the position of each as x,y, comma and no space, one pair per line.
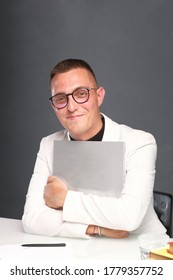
93,230
63,198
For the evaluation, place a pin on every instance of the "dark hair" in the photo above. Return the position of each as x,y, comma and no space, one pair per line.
69,64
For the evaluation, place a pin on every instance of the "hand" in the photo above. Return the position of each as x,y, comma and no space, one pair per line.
111,233
55,192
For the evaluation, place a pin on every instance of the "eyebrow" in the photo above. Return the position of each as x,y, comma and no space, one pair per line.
59,93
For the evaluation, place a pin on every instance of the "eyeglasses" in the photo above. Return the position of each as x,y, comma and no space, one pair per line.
80,95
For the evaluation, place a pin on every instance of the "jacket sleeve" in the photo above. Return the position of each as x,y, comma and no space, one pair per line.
37,217
127,211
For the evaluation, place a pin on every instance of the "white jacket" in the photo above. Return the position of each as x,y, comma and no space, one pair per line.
132,211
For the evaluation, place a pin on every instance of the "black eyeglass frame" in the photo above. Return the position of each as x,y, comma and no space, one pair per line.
72,94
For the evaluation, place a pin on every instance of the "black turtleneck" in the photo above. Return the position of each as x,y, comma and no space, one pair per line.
98,136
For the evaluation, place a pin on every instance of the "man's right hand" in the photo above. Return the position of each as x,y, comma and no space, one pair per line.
55,192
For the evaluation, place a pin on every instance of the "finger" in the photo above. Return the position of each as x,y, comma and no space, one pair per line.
51,179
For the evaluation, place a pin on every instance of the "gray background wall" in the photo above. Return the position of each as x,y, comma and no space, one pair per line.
129,44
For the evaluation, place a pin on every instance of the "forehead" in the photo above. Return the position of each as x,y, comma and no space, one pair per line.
72,79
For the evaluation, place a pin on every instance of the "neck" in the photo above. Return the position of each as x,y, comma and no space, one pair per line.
95,136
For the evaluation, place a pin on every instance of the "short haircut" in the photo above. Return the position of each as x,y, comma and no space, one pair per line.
70,64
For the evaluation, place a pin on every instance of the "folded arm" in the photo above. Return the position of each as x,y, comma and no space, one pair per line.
55,193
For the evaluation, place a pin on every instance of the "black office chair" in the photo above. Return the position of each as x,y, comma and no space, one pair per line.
163,207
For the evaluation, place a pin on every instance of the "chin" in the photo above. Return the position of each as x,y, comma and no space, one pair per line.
78,134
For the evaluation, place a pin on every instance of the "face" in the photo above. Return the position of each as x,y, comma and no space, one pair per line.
81,120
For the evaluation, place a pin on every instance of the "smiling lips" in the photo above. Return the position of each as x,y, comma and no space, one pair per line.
74,117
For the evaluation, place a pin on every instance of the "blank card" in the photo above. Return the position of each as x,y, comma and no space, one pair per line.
90,167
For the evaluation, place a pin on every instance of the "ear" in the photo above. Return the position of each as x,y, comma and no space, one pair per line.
100,95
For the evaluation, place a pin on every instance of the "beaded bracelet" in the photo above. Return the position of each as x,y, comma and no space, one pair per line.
96,231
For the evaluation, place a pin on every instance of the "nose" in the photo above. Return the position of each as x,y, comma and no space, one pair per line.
72,104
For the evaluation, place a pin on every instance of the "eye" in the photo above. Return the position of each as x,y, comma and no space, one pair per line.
59,98
82,93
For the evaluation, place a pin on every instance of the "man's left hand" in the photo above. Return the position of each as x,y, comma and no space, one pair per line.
55,192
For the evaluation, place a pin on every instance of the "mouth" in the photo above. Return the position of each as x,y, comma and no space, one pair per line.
74,117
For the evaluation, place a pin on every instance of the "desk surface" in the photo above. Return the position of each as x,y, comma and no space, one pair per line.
100,248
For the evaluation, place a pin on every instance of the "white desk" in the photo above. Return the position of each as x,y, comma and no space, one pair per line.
98,248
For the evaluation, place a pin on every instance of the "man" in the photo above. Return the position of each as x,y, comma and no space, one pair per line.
52,209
